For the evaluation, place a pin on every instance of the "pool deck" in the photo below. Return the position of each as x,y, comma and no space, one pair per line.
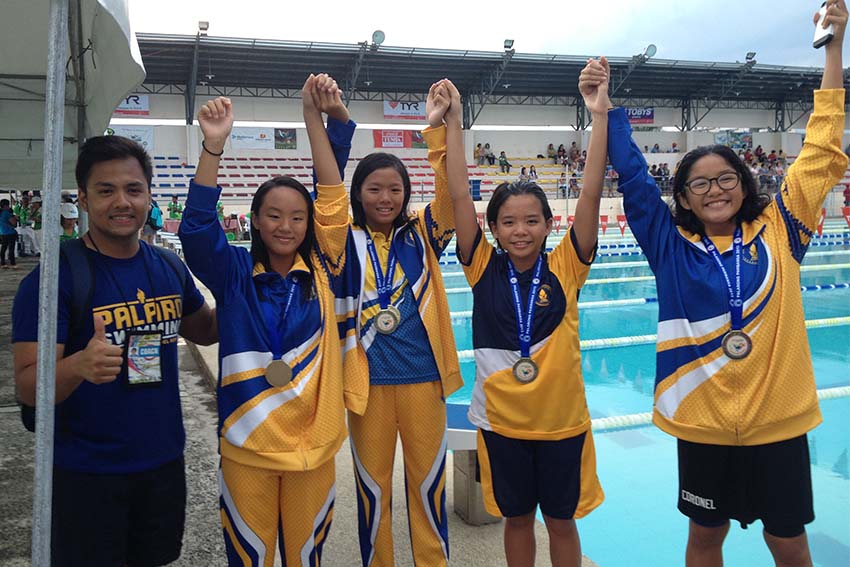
473,546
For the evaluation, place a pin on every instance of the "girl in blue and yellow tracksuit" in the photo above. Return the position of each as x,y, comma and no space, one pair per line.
282,392
734,377
386,274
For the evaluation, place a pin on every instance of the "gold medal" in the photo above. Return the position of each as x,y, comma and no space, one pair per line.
737,345
278,373
387,320
525,370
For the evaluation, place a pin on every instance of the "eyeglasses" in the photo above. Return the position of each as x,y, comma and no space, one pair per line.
701,185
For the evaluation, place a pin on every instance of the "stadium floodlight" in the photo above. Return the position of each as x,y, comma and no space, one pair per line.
650,51
751,55
509,44
203,27
378,37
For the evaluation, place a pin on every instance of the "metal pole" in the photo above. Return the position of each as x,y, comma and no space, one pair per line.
54,121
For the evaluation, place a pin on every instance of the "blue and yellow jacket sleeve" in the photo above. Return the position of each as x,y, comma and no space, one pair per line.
648,215
820,165
438,216
205,246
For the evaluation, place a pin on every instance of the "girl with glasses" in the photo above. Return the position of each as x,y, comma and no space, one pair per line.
734,378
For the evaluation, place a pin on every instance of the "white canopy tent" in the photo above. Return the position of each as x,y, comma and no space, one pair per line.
102,64
58,55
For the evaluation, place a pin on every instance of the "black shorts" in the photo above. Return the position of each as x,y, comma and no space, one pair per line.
517,475
771,483
109,520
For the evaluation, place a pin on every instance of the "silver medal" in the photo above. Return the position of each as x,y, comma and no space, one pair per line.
525,370
387,320
737,345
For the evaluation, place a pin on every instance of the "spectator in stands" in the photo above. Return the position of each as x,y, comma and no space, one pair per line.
655,149
748,459
532,173
759,151
8,235
175,209
275,301
771,157
781,155
551,153
562,154
504,164
66,197
674,148
748,155
118,448
847,195
68,215
523,174
574,188
381,256
534,441
574,153
491,157
646,149
562,185
482,154
153,223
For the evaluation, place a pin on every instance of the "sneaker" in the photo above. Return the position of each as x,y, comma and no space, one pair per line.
4,267
15,267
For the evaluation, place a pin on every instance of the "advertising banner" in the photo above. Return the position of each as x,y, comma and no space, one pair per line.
394,110
134,105
141,134
252,138
641,115
285,139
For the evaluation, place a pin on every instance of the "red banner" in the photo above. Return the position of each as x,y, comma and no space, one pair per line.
570,220
820,222
603,220
621,222
846,212
398,139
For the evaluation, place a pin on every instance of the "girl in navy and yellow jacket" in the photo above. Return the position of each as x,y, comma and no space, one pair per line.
395,323
734,379
282,392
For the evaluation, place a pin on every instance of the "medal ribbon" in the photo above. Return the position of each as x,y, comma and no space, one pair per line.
383,284
524,324
736,306
275,326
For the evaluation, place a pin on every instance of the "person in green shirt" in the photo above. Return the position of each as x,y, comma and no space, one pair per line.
219,207
69,215
175,209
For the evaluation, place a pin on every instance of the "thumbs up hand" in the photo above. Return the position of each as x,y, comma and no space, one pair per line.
100,361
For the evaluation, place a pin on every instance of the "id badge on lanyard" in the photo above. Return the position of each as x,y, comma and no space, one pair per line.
143,358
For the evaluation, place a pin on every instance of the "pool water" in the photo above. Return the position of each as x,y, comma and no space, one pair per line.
638,524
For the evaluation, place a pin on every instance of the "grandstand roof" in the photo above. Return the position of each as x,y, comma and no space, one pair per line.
278,68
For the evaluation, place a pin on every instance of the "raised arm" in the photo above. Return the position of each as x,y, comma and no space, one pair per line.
317,88
466,223
205,246
593,85
836,15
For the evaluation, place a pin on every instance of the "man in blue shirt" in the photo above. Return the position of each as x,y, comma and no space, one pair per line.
8,235
119,487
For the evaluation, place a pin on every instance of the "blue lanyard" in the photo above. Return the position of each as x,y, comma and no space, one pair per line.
736,306
524,323
276,327
383,284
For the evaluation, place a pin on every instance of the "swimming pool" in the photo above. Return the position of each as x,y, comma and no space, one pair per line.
638,524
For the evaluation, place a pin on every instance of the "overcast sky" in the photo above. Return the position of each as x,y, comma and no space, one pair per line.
779,31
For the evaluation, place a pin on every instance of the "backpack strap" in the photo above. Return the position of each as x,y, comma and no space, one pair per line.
82,292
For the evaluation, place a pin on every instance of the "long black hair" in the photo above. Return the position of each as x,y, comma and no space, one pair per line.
259,252
752,206
366,167
505,190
